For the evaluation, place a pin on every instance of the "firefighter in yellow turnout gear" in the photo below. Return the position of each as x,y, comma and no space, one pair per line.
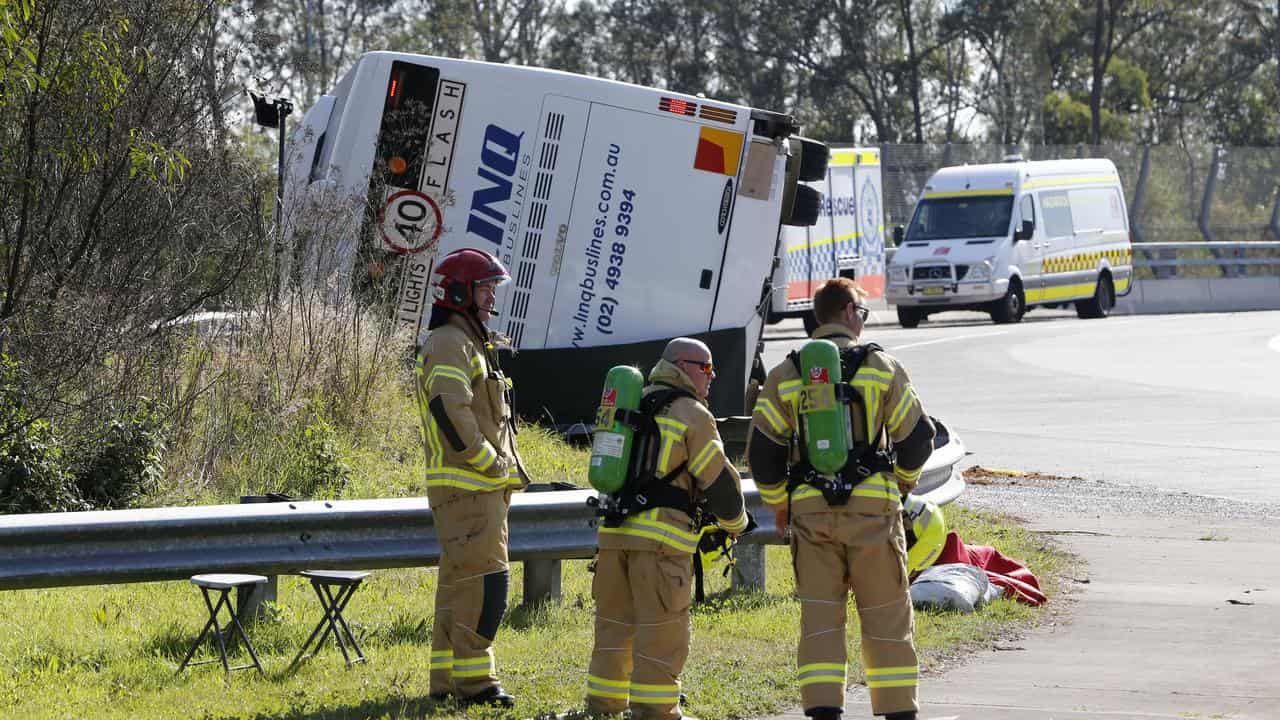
857,546
472,469
644,566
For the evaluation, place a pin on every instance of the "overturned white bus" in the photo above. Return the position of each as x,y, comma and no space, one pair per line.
626,215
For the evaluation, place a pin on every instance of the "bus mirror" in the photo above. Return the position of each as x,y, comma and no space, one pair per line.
1024,231
898,233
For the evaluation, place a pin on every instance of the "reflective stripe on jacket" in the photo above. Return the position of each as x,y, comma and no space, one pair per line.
472,448
688,436
891,404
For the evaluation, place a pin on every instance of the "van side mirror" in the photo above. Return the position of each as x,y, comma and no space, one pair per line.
899,233
1025,231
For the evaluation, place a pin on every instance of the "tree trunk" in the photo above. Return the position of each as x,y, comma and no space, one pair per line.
913,70
1099,71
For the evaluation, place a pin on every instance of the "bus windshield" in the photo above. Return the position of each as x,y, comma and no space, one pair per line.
961,217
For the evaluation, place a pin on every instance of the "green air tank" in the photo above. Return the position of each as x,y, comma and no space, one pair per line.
611,449
826,419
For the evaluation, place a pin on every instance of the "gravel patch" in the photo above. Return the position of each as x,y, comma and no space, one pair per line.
1029,494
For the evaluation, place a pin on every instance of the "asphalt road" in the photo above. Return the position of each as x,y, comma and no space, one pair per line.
1167,432
1181,402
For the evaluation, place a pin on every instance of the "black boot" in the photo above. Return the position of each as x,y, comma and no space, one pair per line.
824,713
494,696
904,715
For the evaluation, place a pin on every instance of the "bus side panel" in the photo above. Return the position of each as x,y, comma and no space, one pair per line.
641,241
752,236
870,218
540,246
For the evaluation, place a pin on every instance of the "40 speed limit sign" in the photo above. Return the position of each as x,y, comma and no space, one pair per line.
410,222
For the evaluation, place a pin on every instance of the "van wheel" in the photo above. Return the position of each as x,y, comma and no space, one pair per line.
814,157
1104,298
804,211
909,317
810,322
1011,307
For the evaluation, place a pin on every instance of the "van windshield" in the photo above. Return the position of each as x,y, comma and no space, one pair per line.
961,217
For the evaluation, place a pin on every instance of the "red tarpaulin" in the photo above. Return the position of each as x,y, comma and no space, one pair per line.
1009,574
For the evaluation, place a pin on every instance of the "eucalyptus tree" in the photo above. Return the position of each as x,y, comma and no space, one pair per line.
121,207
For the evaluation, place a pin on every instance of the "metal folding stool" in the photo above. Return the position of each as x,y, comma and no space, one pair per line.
323,582
224,583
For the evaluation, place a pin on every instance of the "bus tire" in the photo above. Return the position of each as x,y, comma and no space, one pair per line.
1104,298
814,157
805,209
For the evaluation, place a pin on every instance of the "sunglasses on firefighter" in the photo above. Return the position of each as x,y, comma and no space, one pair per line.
862,310
706,367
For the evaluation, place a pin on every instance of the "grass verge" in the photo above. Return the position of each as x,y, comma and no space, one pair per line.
112,651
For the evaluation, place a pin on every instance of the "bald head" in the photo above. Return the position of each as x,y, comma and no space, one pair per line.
683,348
693,357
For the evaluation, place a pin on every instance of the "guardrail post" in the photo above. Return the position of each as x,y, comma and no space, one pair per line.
541,581
1139,195
748,567
251,601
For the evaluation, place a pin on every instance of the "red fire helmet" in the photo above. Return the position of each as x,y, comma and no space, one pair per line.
457,274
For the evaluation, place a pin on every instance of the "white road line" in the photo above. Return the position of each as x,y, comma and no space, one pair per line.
949,339
1275,343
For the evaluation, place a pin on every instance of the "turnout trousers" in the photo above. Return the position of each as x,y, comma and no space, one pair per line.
471,592
642,633
836,551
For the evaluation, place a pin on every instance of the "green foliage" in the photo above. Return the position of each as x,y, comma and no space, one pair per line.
33,472
301,457
1066,120
127,464
313,466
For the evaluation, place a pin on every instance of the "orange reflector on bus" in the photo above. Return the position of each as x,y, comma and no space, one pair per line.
718,151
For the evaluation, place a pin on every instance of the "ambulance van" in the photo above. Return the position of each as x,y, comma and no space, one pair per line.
846,241
1005,237
626,215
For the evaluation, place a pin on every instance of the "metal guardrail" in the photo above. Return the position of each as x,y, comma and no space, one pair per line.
1165,258
120,546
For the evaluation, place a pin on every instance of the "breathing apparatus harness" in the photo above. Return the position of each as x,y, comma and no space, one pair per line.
865,459
646,490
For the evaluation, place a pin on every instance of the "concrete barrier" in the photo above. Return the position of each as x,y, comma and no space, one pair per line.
1154,296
